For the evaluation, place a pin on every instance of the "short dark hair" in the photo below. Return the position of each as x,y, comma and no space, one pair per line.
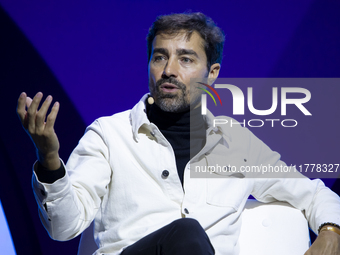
171,24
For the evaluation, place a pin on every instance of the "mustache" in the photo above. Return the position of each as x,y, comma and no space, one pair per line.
171,80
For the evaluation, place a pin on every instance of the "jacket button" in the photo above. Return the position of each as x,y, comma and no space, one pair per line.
186,210
165,174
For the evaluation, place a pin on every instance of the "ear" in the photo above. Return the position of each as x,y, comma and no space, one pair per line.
214,71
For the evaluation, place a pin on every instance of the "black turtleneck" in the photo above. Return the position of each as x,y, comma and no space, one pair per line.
176,129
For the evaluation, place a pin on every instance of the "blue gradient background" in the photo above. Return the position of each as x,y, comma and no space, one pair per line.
91,56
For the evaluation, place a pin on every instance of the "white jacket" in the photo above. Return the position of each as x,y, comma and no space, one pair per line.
114,176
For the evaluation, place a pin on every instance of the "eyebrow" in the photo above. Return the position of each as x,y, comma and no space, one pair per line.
186,52
179,52
161,51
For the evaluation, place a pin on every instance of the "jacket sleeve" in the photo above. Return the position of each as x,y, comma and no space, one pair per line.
69,205
318,202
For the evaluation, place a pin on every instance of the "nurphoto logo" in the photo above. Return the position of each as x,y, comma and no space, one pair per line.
238,107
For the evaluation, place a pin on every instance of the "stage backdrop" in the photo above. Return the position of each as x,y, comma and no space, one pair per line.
91,56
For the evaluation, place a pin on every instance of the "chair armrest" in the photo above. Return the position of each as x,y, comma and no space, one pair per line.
273,228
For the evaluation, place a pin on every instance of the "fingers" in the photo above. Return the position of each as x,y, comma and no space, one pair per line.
33,119
32,111
21,111
52,116
41,115
28,102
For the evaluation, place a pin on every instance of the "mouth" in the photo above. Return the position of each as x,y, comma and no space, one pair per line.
168,87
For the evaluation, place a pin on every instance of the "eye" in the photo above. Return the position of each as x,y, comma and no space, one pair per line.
186,60
158,58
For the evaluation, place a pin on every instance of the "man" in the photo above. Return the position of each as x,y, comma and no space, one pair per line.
131,172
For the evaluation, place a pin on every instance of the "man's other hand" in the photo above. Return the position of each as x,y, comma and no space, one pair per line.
40,131
327,243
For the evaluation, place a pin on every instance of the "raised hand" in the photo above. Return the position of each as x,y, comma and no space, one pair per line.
40,131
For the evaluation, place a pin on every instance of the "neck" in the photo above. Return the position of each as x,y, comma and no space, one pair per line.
165,120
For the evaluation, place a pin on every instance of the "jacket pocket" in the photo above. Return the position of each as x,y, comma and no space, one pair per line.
226,192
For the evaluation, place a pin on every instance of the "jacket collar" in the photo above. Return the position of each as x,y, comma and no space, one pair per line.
139,118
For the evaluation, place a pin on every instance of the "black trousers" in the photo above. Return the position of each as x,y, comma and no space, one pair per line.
181,237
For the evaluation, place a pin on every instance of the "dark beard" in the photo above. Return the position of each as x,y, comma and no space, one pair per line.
169,102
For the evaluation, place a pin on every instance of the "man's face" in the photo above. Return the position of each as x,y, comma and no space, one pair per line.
174,61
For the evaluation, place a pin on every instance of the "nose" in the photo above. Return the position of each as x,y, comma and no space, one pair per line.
170,69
